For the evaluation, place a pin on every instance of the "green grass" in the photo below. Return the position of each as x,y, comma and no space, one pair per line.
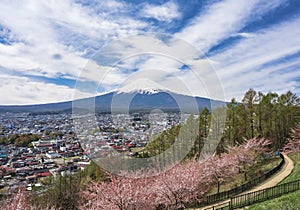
289,201
296,171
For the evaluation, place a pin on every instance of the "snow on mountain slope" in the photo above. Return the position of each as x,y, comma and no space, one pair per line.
142,86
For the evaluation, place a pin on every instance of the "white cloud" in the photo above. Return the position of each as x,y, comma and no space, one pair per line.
21,90
221,20
47,28
40,60
165,12
242,66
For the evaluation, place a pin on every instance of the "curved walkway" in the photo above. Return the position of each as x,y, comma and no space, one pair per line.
273,181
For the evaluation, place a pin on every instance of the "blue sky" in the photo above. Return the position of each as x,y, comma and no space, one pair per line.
46,46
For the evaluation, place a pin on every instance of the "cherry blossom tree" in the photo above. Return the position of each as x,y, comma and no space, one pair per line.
220,169
182,184
172,189
18,202
238,159
21,201
119,193
247,154
293,144
185,183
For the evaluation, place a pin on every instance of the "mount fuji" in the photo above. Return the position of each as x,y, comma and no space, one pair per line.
140,96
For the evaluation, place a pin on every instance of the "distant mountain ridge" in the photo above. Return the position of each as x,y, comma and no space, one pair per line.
119,101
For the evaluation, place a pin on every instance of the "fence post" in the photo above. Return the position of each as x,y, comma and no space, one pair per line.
230,204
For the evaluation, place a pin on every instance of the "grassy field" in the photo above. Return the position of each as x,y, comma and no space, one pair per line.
290,201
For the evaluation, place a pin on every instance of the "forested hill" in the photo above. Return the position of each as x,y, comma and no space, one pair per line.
270,116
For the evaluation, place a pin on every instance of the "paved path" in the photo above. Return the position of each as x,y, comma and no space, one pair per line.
285,171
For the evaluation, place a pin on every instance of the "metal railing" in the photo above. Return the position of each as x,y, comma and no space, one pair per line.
263,195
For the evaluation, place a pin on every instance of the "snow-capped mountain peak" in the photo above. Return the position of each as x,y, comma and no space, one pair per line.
142,86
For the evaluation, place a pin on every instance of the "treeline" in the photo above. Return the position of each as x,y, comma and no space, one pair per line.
21,140
270,116
24,140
